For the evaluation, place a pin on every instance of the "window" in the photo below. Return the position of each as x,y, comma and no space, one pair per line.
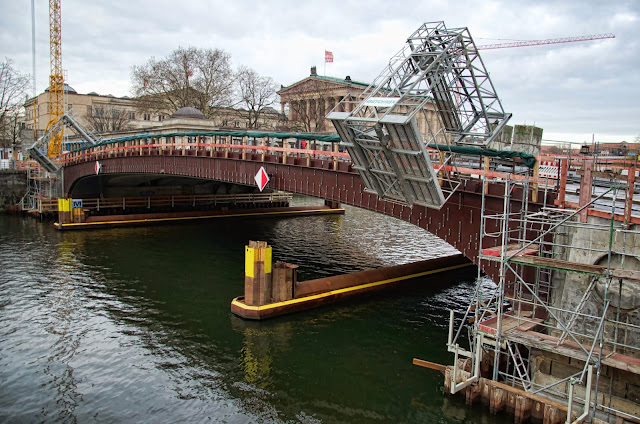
147,117
132,115
236,124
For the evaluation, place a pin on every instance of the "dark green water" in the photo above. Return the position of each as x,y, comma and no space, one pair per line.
133,325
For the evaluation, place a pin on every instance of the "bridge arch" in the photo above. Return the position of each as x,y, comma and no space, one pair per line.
457,222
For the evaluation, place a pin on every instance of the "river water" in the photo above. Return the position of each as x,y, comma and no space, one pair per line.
134,325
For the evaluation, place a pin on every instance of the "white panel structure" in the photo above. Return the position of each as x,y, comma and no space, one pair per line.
438,68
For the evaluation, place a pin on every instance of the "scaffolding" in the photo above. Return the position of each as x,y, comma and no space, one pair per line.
564,294
42,186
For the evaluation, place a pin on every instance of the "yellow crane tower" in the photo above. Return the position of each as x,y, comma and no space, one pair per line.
56,79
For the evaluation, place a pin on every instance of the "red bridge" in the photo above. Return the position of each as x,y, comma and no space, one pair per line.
320,171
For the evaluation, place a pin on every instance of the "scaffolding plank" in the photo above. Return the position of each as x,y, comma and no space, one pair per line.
570,349
560,265
626,274
511,250
509,322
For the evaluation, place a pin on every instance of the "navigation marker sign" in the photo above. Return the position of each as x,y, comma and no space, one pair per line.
261,178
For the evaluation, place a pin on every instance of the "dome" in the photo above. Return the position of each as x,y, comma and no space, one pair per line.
67,89
188,112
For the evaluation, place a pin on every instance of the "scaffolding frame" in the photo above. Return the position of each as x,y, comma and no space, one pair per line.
523,311
41,186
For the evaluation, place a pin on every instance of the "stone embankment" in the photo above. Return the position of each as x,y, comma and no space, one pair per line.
13,186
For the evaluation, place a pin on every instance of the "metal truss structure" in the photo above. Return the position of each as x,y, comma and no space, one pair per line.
49,137
439,70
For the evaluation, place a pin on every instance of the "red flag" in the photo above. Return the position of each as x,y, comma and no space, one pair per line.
328,57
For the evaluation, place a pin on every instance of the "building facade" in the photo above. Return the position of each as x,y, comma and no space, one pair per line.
111,116
308,101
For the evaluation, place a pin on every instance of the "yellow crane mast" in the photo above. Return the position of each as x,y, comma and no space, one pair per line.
56,78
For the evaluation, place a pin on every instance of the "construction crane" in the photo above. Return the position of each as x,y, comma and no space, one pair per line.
547,41
56,78
53,135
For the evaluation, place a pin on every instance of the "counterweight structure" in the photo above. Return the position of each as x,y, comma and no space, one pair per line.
439,68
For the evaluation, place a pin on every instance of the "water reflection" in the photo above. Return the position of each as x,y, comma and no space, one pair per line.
64,312
134,324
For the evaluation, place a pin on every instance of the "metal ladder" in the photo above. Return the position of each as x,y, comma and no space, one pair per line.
521,366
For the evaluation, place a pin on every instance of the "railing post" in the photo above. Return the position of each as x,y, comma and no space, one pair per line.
586,186
487,167
244,150
562,181
631,181
534,186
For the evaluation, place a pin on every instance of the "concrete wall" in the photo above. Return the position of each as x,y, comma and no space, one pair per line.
590,246
13,185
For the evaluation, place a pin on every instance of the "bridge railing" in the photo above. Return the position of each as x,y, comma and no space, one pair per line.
192,201
547,174
229,147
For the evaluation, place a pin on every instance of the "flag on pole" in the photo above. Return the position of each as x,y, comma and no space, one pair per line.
328,57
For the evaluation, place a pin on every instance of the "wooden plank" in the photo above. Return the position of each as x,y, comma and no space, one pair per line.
571,349
626,274
511,249
560,265
430,365
599,270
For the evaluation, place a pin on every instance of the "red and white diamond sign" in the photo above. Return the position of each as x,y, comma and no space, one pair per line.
261,178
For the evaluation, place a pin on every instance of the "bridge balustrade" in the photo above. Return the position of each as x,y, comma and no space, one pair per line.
246,148
327,155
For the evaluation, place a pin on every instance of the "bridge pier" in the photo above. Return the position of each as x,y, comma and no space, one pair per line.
274,291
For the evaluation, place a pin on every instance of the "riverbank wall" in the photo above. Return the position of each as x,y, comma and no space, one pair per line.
13,186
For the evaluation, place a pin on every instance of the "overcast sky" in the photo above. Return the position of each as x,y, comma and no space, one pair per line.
571,90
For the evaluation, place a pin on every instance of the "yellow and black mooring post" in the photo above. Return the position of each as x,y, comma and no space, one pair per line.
64,211
257,273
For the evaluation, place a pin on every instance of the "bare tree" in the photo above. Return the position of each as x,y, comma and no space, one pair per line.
13,87
104,119
200,78
255,94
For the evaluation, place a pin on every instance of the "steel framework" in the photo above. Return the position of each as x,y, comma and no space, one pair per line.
439,70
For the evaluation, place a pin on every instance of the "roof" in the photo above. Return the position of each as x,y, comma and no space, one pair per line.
341,80
335,80
188,112
67,89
